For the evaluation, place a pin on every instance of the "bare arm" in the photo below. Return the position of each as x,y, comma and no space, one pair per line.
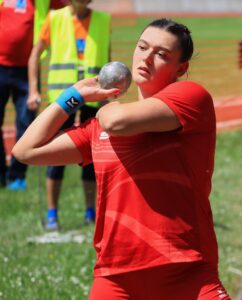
149,115
33,74
43,144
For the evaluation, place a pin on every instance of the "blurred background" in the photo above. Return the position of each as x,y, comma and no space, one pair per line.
216,27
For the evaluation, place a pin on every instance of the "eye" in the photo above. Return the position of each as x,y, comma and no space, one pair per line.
161,54
142,47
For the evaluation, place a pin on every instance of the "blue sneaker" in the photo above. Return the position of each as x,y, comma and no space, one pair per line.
52,219
90,215
19,184
52,224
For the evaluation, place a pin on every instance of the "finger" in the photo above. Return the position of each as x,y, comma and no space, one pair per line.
111,92
33,105
38,101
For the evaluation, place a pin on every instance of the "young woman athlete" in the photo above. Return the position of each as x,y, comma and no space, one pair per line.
153,161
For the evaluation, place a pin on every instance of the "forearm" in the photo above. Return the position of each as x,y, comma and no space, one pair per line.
41,142
39,133
33,71
33,66
148,115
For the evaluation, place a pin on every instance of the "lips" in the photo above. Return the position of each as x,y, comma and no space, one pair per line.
144,70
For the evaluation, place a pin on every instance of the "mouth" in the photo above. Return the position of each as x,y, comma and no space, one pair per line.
144,70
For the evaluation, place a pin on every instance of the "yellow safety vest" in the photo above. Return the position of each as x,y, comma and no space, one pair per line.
63,67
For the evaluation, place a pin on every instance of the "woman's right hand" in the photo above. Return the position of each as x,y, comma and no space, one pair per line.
91,91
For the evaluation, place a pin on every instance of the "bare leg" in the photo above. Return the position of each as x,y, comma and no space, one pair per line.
53,192
53,187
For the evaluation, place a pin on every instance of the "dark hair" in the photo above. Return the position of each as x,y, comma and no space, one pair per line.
182,33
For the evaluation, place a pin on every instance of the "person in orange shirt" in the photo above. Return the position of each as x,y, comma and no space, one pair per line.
83,18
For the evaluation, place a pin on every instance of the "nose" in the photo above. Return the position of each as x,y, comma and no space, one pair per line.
148,55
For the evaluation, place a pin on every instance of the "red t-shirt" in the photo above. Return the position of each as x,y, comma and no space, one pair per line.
16,30
153,188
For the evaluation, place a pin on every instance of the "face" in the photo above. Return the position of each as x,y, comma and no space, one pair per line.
156,61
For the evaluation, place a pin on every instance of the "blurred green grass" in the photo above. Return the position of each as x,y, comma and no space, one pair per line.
227,208
64,271
44,271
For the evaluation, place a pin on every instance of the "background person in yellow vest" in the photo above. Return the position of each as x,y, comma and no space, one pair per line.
20,22
79,42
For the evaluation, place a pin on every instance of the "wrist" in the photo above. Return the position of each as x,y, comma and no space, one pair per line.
70,100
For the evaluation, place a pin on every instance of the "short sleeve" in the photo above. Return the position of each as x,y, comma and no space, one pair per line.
192,105
45,31
82,136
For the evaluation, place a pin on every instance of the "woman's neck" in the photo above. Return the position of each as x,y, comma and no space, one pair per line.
146,91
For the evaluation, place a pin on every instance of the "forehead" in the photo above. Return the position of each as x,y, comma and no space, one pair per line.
158,37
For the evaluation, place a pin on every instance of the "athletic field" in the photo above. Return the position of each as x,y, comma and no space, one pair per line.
34,265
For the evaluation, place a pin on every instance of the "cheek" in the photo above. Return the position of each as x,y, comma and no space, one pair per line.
165,68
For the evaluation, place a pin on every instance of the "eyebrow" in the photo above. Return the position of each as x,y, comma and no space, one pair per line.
158,47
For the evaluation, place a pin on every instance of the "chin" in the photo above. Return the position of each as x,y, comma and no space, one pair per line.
140,80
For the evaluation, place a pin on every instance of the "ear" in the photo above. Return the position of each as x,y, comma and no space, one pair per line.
182,68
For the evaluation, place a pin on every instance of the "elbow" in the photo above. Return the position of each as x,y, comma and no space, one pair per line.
114,125
20,154
109,126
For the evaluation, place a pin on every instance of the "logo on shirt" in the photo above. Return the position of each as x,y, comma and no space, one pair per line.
17,5
221,293
103,135
20,6
72,102
80,43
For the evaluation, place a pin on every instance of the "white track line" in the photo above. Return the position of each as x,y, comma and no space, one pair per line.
229,123
233,101
235,271
56,237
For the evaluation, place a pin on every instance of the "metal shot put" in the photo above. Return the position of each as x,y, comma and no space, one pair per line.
115,75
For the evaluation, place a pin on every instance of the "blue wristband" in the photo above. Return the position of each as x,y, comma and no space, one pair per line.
70,100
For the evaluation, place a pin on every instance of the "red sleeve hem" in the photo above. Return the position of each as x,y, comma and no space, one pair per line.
174,108
72,132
